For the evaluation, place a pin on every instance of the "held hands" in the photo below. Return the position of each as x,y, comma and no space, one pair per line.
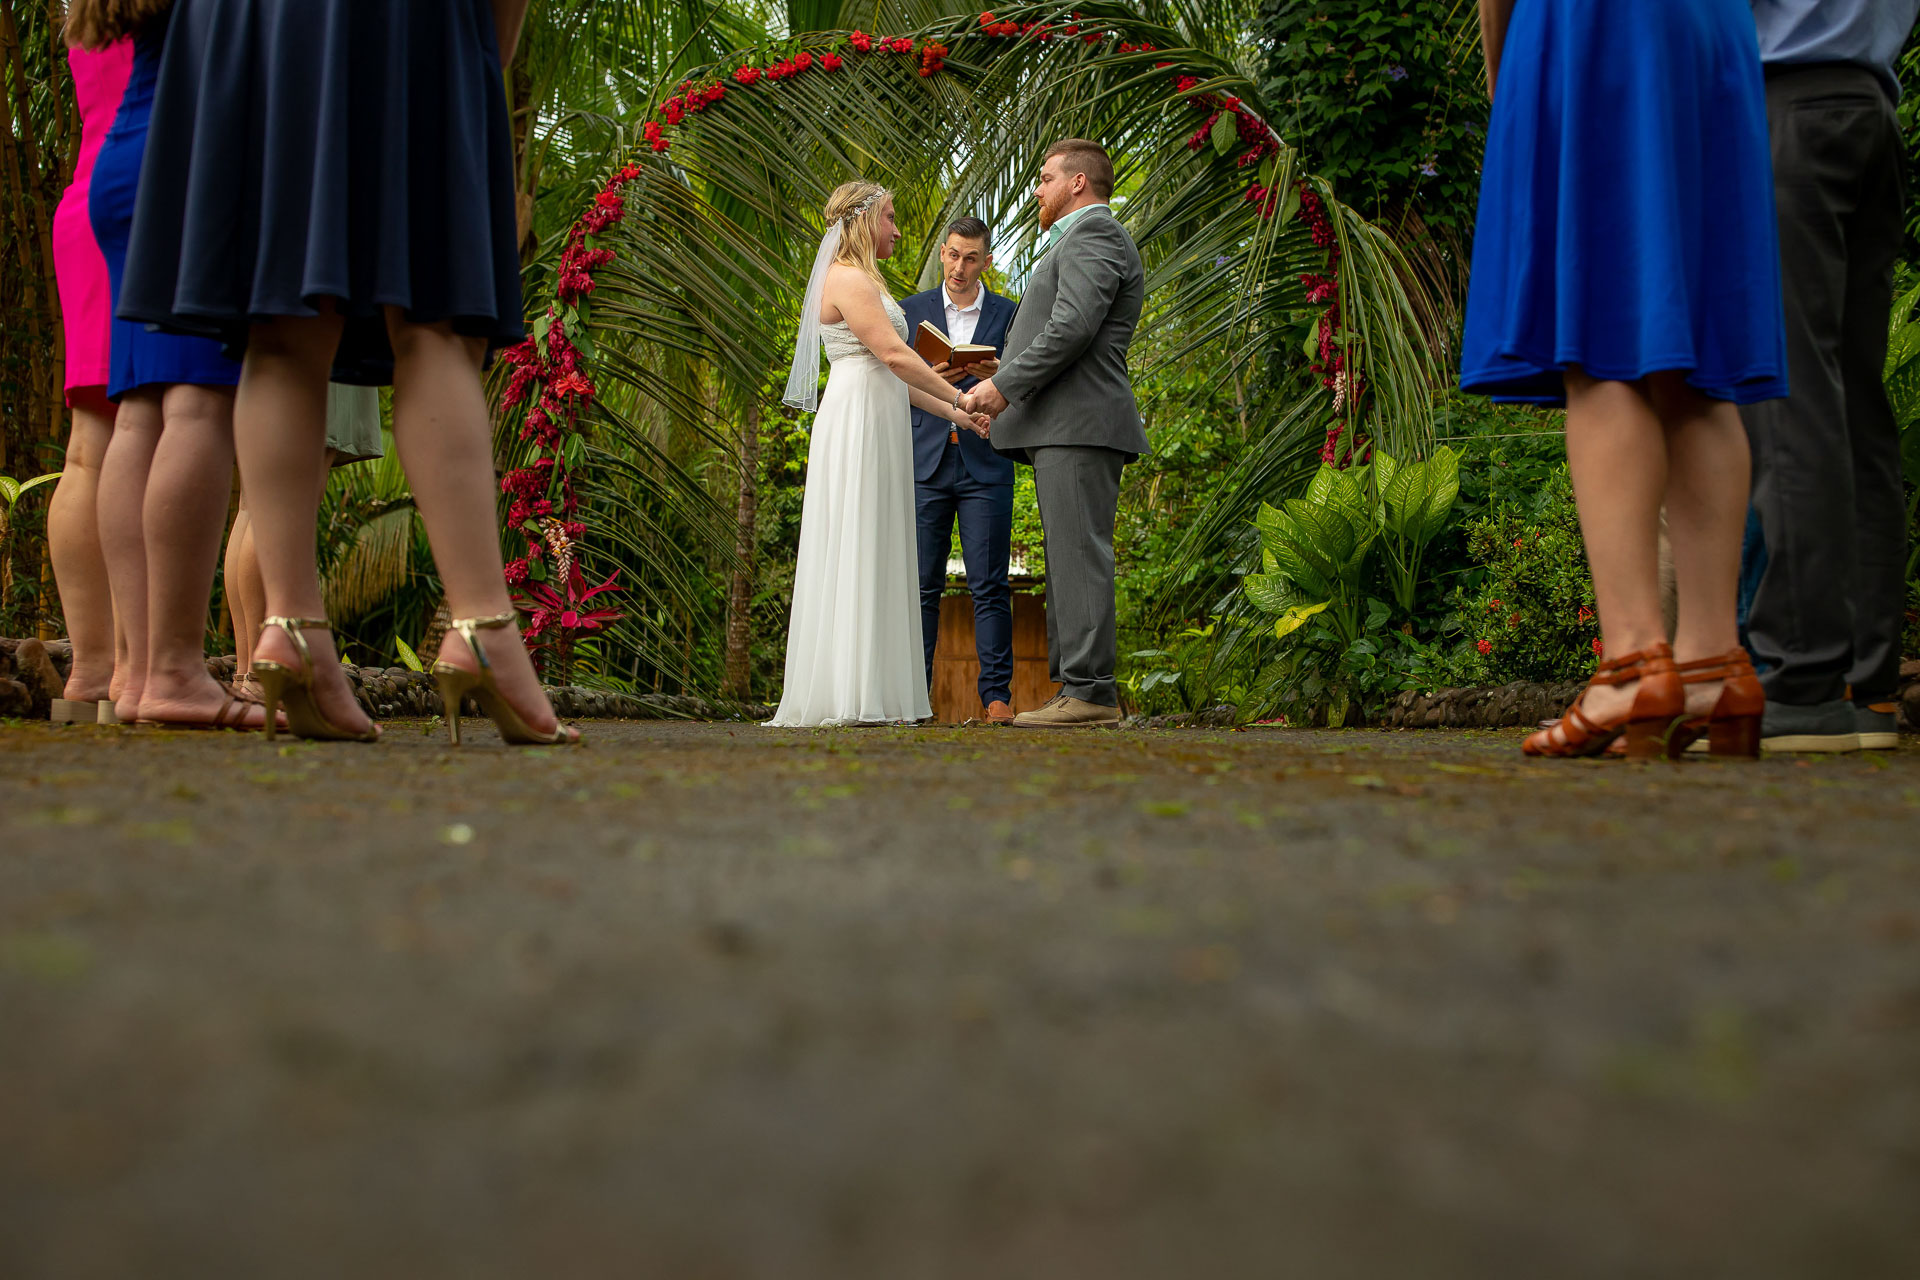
981,425
984,399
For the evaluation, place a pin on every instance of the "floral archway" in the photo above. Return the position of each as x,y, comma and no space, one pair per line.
690,253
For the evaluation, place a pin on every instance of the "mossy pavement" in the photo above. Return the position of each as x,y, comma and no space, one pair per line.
712,1001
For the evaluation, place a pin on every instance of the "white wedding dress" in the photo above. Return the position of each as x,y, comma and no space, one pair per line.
854,653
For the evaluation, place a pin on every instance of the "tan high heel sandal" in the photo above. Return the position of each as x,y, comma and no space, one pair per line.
457,683
281,685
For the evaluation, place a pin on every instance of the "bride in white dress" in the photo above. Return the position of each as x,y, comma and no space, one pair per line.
853,643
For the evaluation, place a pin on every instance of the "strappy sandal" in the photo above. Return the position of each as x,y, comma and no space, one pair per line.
232,715
457,683
1732,727
282,686
1658,704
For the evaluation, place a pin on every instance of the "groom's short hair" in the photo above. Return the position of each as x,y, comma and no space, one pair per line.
1077,155
971,229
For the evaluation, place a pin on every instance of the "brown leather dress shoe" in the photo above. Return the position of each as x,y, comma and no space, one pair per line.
999,713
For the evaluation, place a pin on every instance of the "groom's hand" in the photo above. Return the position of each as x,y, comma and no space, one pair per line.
985,398
953,376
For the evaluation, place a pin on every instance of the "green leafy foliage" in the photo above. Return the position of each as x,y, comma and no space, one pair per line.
1387,100
1336,643
13,490
1529,613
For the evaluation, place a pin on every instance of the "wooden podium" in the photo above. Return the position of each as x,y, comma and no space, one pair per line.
956,670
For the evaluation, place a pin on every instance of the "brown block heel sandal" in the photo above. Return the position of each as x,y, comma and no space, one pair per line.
1732,728
1658,705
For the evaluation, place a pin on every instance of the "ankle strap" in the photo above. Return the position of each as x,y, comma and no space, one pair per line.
1735,657
491,623
293,627
1625,669
467,626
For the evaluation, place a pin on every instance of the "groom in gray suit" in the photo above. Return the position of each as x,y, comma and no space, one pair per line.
1062,402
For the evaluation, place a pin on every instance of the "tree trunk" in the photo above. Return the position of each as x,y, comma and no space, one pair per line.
739,677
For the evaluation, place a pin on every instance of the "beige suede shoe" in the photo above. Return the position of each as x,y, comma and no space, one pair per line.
1068,713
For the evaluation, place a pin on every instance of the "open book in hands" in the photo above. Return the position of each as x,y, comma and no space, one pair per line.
934,347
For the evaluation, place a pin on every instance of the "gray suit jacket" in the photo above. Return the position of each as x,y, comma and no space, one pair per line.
1065,370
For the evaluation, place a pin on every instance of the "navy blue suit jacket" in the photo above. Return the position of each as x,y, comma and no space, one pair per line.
930,433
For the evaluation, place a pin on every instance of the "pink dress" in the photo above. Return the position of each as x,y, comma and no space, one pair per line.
86,302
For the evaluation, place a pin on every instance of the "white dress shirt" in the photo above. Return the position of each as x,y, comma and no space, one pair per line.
962,321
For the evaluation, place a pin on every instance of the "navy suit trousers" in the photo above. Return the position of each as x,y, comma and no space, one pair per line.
985,512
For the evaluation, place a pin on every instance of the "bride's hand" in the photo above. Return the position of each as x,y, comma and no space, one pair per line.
980,424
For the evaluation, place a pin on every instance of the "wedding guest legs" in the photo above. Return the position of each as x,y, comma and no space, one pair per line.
440,428
73,541
1831,600
1632,447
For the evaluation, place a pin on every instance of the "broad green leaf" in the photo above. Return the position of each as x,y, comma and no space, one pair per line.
1384,466
1295,618
1226,132
408,658
1443,489
9,489
1267,593
1320,488
37,481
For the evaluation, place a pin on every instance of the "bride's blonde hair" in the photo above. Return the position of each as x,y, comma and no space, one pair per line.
856,207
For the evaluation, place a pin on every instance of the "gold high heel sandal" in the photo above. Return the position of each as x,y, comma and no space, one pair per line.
456,683
283,686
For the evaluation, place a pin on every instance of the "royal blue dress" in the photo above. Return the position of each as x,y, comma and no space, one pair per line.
1626,205
138,356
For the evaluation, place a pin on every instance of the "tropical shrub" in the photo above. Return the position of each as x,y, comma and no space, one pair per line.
1529,613
1315,549
1323,587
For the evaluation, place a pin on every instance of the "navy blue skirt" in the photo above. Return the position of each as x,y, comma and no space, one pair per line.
1626,205
303,150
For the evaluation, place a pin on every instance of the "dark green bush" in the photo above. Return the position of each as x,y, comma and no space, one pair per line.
1529,614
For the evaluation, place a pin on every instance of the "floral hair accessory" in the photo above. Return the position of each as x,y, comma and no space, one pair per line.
860,209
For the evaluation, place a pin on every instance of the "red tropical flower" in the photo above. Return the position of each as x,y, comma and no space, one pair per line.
861,41
1485,647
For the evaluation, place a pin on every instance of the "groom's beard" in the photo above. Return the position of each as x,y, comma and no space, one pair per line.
1049,214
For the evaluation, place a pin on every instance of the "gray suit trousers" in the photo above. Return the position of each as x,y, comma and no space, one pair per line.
1078,487
1826,460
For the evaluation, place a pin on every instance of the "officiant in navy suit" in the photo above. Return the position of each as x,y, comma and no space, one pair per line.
957,474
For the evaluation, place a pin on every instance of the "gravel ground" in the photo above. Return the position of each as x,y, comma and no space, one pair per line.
706,1002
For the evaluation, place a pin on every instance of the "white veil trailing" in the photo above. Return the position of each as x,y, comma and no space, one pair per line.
803,383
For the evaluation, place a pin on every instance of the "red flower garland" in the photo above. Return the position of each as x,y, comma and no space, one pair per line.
549,372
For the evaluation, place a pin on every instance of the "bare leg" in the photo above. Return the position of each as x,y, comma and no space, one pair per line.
1617,453
1709,472
246,595
73,539
123,496
440,428
186,507
280,425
